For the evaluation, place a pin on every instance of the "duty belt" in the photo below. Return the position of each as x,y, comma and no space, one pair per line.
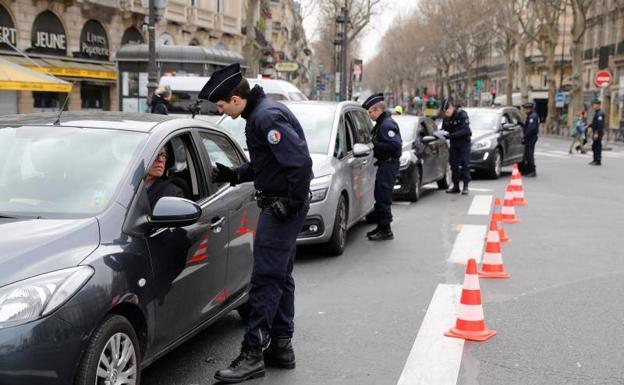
265,201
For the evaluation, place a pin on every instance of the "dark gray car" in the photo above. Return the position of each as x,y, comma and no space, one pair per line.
94,284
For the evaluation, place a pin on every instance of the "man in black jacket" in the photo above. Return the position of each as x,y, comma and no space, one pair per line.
531,130
456,127
597,126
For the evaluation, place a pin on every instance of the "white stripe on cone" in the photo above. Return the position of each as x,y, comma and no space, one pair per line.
471,282
470,312
492,259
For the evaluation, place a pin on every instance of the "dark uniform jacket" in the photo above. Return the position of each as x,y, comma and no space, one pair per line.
159,105
458,126
597,123
386,138
163,187
280,163
531,126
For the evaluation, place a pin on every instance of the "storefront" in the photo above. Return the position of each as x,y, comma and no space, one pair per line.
171,60
8,39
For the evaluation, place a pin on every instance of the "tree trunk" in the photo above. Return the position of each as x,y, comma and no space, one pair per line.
552,87
250,34
576,52
510,77
522,75
447,80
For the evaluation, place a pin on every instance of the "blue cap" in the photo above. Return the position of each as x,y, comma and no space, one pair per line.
372,100
221,83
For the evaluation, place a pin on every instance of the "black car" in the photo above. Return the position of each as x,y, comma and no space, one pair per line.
94,283
424,159
496,139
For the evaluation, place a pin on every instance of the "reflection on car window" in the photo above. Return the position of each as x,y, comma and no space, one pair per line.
483,119
41,175
220,150
361,125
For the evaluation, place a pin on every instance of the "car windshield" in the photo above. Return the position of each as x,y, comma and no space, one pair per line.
62,170
483,120
316,121
407,126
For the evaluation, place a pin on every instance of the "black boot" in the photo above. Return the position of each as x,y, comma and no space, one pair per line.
453,190
280,353
384,234
249,364
374,231
465,189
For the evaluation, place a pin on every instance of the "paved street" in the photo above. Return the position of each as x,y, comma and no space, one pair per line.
558,318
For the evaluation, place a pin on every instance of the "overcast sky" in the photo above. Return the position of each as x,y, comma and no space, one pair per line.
374,31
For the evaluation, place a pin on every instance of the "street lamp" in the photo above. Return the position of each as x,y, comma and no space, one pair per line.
155,10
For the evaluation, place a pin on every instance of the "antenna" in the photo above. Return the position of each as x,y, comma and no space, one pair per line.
57,122
194,108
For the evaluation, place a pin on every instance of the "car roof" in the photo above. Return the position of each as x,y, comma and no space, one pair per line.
321,103
129,121
493,109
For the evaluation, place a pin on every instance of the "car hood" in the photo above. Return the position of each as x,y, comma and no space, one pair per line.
322,164
37,246
483,134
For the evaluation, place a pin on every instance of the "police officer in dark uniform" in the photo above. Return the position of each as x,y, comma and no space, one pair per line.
531,130
281,169
456,127
597,126
387,150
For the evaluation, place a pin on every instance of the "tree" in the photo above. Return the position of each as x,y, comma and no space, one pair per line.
579,27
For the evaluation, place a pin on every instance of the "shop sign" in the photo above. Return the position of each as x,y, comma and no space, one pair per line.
48,35
286,66
8,33
93,41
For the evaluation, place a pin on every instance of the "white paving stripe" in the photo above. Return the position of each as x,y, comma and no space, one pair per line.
434,358
468,244
480,205
480,189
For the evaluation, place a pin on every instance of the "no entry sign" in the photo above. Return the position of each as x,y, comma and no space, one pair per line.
603,79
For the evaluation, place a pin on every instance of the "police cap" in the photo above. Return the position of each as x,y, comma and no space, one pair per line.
372,100
221,83
528,105
446,104
596,101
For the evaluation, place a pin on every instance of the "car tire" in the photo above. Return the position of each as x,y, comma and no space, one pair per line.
338,240
243,311
446,180
497,164
415,185
114,332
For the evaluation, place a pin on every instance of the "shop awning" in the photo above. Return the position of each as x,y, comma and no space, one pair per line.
67,68
19,78
179,54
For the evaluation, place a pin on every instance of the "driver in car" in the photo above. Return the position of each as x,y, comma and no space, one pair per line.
157,184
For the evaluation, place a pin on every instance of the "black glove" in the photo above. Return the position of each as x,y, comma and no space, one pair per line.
282,210
223,173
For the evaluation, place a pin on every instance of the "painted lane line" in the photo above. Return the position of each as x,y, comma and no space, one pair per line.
480,205
476,189
468,244
434,358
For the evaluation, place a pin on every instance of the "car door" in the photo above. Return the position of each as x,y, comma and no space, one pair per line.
242,211
442,152
517,148
189,263
364,127
506,137
429,156
357,166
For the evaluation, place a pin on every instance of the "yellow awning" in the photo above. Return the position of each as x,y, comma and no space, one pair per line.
18,78
66,68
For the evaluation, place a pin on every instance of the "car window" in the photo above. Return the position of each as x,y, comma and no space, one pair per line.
340,150
220,150
354,133
362,126
183,168
515,117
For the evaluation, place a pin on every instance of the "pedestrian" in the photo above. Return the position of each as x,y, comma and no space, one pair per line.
578,133
597,126
531,131
281,169
456,127
387,149
161,99
398,110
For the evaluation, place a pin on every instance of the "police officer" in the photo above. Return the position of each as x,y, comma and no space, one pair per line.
597,126
531,129
387,150
456,127
281,169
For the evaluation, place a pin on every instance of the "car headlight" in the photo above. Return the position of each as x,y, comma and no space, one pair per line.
320,181
33,298
318,195
482,144
319,187
405,158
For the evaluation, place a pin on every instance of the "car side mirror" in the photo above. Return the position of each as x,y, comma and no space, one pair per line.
428,139
361,150
508,126
174,212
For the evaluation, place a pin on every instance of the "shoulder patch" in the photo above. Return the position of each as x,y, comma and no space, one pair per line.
274,137
531,120
600,117
391,133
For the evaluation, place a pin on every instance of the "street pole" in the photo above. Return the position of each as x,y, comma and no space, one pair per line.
345,49
152,79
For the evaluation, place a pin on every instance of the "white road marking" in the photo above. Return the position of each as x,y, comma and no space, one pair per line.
476,189
434,358
480,205
613,155
468,244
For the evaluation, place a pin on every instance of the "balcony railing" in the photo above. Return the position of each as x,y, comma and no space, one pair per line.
133,6
176,11
229,24
102,3
201,18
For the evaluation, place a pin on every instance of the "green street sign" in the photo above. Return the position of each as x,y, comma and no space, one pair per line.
479,84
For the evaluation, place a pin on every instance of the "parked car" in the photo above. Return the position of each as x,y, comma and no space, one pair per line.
185,89
496,139
424,159
339,140
94,284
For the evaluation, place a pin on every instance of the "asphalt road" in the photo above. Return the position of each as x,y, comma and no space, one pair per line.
559,317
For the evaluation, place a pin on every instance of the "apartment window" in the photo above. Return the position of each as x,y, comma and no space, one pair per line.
218,6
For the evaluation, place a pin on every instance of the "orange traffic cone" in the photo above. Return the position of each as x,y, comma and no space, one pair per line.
515,168
498,217
470,324
492,266
509,213
516,183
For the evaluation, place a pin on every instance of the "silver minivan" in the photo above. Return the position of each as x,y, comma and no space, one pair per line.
340,144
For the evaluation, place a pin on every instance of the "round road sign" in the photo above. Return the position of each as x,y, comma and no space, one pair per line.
603,79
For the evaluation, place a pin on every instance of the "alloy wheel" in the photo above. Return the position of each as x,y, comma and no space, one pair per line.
118,362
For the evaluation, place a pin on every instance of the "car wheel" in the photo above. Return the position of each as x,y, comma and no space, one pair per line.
243,311
415,185
447,179
338,240
112,356
497,165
